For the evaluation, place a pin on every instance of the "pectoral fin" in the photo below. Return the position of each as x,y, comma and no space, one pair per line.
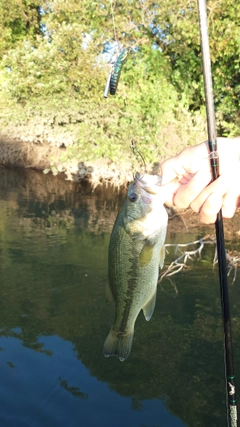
148,309
109,296
146,255
162,256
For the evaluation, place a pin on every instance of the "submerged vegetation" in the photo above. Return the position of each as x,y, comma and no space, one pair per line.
54,61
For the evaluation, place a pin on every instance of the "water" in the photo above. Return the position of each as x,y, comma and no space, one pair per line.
54,319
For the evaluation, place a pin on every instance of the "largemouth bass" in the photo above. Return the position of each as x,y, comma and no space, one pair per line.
136,250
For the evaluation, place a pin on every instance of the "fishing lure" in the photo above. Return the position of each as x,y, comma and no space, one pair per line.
114,75
117,71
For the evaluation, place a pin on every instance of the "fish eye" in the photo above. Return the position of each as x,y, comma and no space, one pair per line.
132,197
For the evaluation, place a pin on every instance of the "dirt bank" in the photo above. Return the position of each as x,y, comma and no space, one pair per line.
41,155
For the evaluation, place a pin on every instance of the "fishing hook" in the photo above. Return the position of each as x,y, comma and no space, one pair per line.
137,152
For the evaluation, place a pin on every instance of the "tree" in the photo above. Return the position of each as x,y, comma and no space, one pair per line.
52,52
19,20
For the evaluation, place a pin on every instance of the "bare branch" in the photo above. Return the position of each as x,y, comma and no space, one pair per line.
180,263
233,259
173,285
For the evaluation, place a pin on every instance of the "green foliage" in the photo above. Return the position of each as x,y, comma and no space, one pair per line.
160,98
18,20
225,47
46,69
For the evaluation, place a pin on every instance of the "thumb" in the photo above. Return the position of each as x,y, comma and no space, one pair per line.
168,171
167,192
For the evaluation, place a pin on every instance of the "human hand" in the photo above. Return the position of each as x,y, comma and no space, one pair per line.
193,184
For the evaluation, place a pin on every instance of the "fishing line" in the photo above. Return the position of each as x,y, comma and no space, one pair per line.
113,20
137,153
116,68
212,143
114,76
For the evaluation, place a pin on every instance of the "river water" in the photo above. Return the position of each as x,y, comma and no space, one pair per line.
54,319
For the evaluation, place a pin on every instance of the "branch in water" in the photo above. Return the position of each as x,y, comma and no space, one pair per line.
180,263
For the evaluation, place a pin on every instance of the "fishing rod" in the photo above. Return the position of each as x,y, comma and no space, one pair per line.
222,267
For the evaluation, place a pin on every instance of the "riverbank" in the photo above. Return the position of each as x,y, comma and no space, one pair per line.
91,145
15,152
51,155
40,155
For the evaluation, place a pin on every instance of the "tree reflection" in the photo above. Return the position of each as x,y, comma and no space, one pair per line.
53,275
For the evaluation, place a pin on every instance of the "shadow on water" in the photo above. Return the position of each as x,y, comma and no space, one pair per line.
54,237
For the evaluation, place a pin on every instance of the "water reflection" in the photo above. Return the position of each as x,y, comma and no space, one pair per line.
53,319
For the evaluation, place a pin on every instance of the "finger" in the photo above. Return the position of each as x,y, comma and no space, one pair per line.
190,160
228,149
210,209
168,192
228,182
230,204
170,169
188,192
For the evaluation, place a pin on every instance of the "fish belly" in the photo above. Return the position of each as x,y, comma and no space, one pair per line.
133,282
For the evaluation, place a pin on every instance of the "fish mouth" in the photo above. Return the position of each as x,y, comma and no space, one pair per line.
148,182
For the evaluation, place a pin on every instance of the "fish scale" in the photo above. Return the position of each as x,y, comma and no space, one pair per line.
136,250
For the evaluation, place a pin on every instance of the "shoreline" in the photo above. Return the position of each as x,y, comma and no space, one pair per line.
109,189
42,156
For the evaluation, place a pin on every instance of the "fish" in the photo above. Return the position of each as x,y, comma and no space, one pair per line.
136,251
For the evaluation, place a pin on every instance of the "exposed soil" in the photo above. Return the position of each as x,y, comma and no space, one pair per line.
15,152
43,156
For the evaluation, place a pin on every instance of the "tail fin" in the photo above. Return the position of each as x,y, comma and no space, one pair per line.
120,347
